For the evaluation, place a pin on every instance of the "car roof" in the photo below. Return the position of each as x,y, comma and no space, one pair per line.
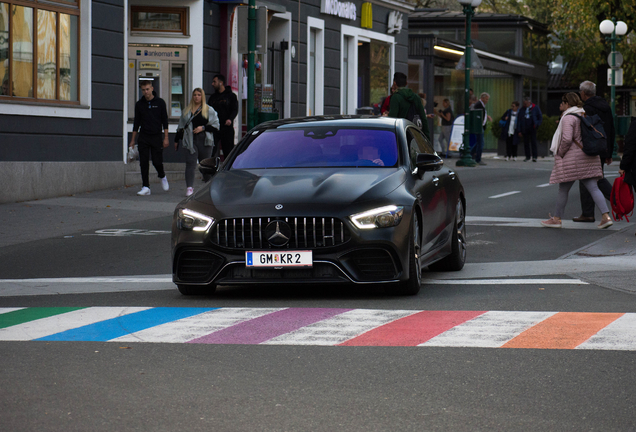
333,120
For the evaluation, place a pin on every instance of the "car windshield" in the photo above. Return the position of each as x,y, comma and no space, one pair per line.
320,146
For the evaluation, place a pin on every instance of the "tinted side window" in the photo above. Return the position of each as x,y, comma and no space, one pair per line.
422,142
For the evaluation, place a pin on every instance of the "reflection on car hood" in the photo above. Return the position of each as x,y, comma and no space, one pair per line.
311,185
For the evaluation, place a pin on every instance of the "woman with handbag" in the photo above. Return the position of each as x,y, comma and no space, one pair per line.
571,163
195,129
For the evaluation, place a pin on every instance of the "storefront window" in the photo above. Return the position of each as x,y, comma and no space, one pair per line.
311,100
4,48
68,58
22,39
178,100
380,70
53,36
47,54
345,74
158,19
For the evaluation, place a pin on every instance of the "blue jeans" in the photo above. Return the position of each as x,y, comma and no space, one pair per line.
475,152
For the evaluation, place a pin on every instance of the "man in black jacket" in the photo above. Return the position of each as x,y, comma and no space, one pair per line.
225,104
592,105
151,116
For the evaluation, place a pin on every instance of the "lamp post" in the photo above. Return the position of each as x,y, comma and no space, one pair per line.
469,11
612,30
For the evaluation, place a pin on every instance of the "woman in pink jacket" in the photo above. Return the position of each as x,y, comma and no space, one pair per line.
571,164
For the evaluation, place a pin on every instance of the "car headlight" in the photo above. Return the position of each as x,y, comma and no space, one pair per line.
192,221
382,217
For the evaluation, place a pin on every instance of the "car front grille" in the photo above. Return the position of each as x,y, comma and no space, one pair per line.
306,232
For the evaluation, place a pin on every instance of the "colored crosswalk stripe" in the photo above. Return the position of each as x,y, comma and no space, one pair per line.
30,314
269,326
116,327
413,329
324,327
565,330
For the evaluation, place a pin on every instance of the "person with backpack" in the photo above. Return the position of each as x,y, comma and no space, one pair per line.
596,105
406,104
572,164
627,168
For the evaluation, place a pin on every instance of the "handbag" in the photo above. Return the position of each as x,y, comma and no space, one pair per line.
179,135
133,153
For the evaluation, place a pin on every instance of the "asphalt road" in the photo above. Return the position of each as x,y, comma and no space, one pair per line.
68,386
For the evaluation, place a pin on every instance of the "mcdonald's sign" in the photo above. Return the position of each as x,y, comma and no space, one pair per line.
367,15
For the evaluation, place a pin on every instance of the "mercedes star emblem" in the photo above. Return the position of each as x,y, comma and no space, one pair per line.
278,233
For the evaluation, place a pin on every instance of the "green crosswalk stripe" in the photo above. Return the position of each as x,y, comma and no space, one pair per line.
31,314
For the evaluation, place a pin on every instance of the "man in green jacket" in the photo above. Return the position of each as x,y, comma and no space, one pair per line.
401,102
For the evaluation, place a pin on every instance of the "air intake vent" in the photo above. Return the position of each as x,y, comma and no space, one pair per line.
372,264
197,266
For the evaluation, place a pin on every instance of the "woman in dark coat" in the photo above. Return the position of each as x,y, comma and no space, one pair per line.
508,131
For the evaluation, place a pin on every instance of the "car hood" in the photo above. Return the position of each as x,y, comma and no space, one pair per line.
317,186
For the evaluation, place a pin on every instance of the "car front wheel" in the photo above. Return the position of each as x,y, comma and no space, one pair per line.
412,286
455,261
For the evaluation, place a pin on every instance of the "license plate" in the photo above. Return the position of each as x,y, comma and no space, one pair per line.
279,259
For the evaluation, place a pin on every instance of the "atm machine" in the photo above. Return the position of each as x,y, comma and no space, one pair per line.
167,68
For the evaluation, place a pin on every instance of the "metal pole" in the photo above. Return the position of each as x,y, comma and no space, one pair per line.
613,89
465,159
251,48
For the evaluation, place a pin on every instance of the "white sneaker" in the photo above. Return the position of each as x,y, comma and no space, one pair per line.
144,191
189,191
164,183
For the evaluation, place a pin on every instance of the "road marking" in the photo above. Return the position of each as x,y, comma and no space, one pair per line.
565,330
92,280
544,185
505,194
325,327
111,232
503,282
533,223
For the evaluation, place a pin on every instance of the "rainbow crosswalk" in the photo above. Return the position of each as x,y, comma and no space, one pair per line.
323,327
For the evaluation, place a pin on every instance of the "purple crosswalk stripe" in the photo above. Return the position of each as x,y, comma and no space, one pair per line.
269,326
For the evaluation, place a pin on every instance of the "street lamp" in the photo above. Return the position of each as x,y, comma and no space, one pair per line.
613,29
469,11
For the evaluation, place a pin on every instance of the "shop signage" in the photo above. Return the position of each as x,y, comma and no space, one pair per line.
367,16
149,65
157,52
395,23
340,9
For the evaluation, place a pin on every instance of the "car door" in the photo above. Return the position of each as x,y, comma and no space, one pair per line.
431,188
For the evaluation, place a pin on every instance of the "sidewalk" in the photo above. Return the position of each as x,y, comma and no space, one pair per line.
52,217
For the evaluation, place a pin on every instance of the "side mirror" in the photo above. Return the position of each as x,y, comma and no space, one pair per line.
428,162
208,167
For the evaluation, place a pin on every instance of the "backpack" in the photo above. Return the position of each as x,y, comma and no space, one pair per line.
593,135
413,116
621,199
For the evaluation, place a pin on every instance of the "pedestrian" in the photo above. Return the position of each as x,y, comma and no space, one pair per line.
198,124
530,119
480,105
508,131
571,163
628,162
402,100
447,117
151,116
593,104
387,101
225,104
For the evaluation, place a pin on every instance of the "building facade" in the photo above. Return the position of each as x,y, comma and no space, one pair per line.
74,67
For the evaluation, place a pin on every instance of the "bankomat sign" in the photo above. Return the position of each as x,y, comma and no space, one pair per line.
341,9
156,52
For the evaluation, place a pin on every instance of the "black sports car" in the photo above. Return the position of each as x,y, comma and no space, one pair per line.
340,199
